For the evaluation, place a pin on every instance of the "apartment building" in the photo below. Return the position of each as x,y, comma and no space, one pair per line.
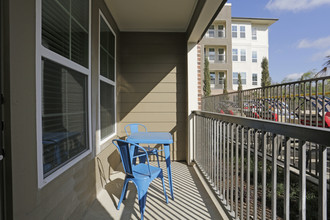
233,46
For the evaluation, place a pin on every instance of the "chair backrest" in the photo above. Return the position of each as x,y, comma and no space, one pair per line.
127,154
134,128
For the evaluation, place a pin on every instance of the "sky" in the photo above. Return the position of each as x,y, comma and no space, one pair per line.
299,41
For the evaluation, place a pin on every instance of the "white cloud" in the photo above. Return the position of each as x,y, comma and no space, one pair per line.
295,5
320,43
294,76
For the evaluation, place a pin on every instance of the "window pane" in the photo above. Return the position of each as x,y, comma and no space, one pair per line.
107,43
243,55
65,28
235,55
211,53
107,100
64,115
234,31
242,31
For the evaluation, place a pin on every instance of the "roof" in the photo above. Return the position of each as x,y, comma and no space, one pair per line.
268,21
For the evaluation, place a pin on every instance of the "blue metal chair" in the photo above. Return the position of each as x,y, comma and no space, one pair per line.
133,128
141,174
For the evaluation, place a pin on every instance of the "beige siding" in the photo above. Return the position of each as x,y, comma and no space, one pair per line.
153,85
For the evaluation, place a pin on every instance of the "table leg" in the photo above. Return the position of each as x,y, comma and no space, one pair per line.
168,165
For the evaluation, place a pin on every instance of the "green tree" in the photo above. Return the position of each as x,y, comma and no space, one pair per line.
240,87
225,89
265,79
308,75
207,78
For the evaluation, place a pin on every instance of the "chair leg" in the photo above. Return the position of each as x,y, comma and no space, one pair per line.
162,177
142,195
158,159
123,193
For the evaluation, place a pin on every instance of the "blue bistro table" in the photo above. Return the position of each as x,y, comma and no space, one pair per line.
163,138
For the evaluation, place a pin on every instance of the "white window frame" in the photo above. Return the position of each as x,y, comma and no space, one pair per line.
254,33
212,84
243,54
242,32
234,55
254,82
222,54
254,58
102,145
235,78
211,30
221,31
213,55
41,52
232,31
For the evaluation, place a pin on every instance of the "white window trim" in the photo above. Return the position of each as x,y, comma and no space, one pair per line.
41,52
101,145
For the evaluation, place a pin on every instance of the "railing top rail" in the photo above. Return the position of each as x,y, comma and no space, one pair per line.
276,85
305,133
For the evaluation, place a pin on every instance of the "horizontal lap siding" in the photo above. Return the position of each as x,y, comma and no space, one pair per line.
152,85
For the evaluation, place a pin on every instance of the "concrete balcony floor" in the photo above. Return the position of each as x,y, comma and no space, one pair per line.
192,200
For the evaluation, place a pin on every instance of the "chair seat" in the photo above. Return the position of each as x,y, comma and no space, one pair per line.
140,171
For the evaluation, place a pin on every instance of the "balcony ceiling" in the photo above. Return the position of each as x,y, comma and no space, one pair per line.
152,15
164,15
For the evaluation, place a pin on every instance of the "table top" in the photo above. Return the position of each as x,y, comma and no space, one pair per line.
151,138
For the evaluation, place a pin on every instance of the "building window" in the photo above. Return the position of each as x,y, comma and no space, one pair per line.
235,78
254,33
243,55
211,54
235,55
221,31
64,85
234,31
242,31
221,78
65,29
254,79
212,82
107,81
254,57
211,31
221,55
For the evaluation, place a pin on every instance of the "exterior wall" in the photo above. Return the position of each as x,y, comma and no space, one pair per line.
68,195
260,45
153,85
224,18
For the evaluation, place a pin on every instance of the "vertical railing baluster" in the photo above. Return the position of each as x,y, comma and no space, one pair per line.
274,176
255,173
302,180
317,103
322,200
242,172
264,174
236,172
220,158
305,103
217,155
232,168
227,160
323,103
248,173
287,178
310,104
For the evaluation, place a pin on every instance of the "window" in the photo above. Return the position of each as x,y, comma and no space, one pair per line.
234,31
242,31
243,55
235,55
65,28
254,33
254,56
235,78
211,54
221,55
212,75
221,78
107,80
64,79
221,31
254,79
211,31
